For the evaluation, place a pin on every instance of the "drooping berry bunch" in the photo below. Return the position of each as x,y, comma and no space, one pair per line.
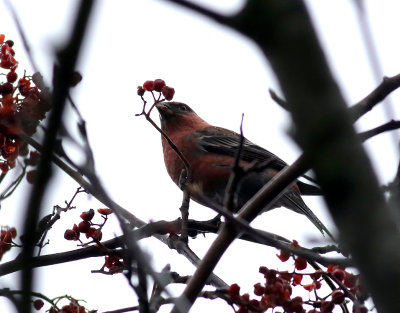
157,85
7,234
23,104
276,290
87,227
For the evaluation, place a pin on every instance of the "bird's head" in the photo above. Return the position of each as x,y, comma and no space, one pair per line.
177,115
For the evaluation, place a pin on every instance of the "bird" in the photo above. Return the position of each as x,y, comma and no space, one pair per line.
211,152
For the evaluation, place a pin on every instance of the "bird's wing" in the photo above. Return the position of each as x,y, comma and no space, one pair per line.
226,142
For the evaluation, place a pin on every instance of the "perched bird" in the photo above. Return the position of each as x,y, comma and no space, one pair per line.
211,153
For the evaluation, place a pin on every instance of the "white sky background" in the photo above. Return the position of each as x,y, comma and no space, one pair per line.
221,75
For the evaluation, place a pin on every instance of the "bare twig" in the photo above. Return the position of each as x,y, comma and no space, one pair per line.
392,125
388,85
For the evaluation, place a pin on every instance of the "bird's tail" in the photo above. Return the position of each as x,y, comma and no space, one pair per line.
293,201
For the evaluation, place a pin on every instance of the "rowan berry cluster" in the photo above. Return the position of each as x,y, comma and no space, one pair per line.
114,264
6,236
24,103
157,85
276,291
87,227
73,307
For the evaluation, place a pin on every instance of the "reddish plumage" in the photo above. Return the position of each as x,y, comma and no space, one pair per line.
211,151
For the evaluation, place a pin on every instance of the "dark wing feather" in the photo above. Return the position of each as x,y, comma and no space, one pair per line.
223,141
226,142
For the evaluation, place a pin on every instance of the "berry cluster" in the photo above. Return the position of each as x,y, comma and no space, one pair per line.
114,264
87,227
276,291
72,307
6,236
24,103
157,85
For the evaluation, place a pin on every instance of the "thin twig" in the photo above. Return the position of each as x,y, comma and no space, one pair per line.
392,125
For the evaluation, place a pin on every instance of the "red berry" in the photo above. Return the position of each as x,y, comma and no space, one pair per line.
87,215
10,43
12,77
316,275
350,280
84,227
7,88
294,305
97,235
168,92
283,256
297,279
70,234
255,303
159,85
33,158
23,83
148,85
234,289
4,167
245,297
13,232
7,237
2,37
339,274
300,264
30,176
337,297
38,304
76,79
140,91
309,287
259,289
327,306
105,211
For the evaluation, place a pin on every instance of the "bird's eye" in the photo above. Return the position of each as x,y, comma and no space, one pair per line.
183,108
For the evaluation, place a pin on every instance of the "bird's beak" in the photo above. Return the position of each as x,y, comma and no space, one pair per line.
164,109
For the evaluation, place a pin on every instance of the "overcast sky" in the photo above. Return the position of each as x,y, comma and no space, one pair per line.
221,75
